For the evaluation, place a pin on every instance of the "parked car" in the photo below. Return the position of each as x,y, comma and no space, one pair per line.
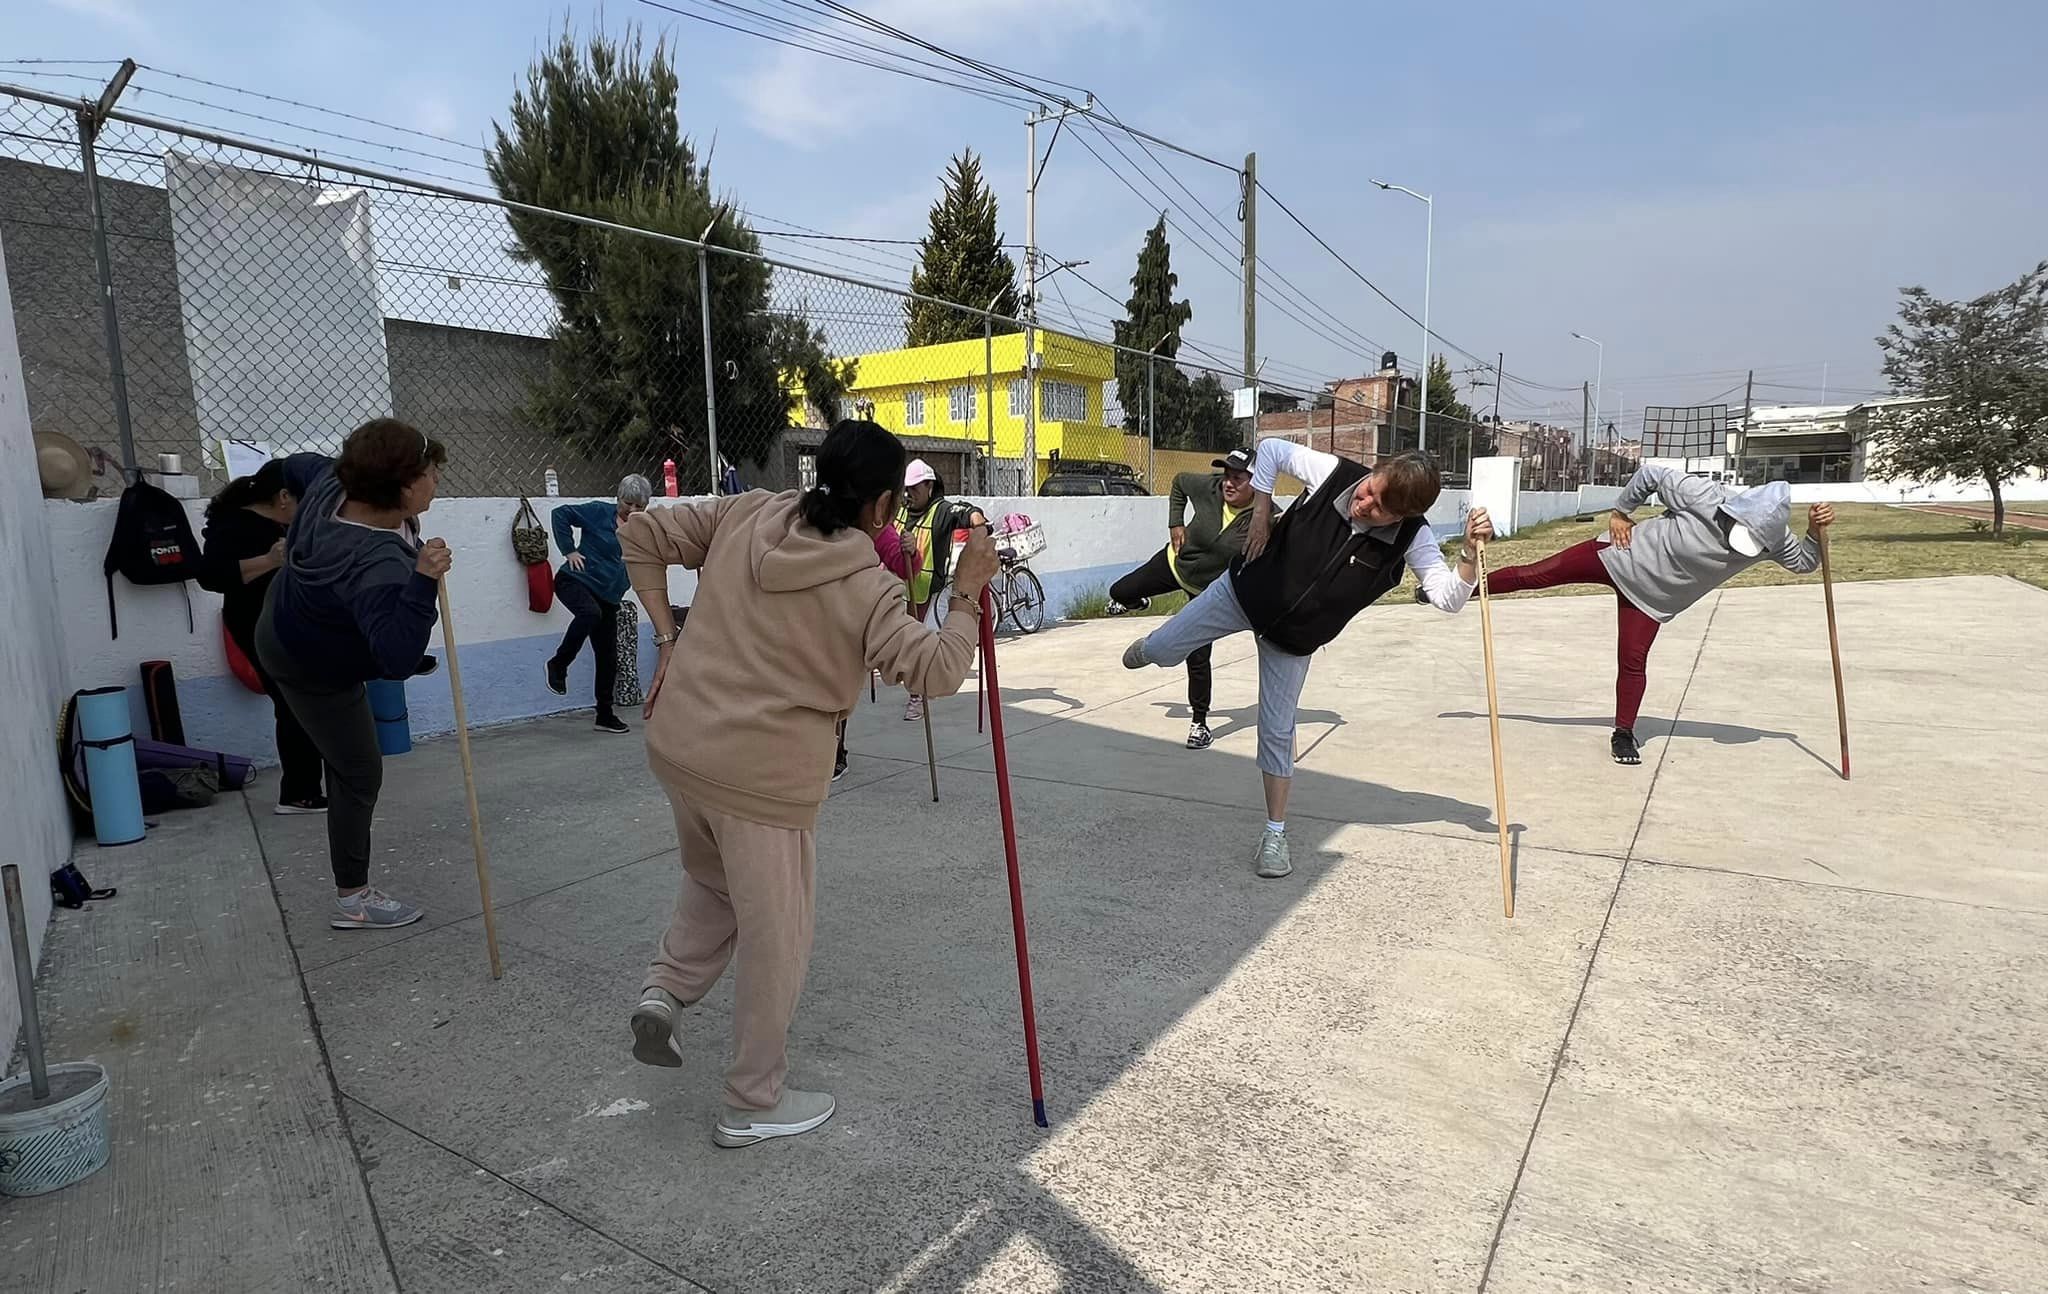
1078,477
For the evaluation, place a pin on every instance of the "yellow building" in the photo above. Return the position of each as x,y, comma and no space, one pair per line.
943,392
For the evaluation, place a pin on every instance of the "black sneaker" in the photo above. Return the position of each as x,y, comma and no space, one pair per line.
610,723
298,808
839,767
1624,746
1117,608
1199,738
427,665
558,679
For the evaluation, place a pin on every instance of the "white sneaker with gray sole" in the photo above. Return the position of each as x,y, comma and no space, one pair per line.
796,1113
654,1029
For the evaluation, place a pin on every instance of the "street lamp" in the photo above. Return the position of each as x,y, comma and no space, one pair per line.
1428,241
1599,363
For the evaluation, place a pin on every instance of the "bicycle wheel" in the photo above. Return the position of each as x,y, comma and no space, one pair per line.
1027,600
999,594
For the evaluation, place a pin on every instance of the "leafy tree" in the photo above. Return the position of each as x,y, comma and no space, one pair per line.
1207,425
1982,365
594,132
961,260
1151,326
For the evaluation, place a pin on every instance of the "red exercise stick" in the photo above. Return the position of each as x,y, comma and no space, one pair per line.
995,724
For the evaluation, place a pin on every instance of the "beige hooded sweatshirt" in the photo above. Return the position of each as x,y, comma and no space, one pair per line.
785,625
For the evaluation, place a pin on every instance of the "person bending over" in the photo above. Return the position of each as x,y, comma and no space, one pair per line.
590,583
1302,578
792,612
1657,568
355,600
1196,553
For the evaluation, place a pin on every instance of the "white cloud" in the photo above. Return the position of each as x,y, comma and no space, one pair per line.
434,114
118,14
808,101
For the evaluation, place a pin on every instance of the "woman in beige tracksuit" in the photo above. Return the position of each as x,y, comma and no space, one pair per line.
792,611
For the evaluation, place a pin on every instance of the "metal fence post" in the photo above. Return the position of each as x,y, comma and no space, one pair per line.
710,387
1151,420
988,370
95,208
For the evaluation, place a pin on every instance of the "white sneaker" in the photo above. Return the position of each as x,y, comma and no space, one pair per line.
914,711
1199,737
796,1113
1273,861
654,1029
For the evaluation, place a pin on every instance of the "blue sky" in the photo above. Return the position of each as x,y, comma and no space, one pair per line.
1705,186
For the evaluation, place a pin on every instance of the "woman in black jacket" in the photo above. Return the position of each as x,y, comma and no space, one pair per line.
242,549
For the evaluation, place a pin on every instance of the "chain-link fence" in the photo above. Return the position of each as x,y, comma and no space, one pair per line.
265,301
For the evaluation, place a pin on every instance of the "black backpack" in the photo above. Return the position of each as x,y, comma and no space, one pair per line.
152,544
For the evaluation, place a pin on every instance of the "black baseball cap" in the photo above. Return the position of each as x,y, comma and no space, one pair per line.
1237,460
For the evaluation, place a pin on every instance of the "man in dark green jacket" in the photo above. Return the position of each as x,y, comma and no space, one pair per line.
1197,551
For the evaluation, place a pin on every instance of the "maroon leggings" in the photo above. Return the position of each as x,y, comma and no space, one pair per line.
1634,630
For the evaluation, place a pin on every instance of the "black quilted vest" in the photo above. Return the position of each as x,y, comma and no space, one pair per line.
1317,572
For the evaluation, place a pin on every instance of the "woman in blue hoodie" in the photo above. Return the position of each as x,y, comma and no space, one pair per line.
590,583
356,599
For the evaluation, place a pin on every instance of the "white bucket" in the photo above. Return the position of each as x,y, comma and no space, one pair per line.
47,1147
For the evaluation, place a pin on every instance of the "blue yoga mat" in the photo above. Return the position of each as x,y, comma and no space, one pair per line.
387,707
107,733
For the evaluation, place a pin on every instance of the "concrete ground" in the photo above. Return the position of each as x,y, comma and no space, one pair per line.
1751,1027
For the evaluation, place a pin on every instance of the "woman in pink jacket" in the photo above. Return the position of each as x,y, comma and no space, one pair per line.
889,548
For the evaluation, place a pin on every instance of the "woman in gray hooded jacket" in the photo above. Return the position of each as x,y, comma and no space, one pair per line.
1708,534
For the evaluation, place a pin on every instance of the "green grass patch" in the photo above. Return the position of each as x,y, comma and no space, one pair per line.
1870,542
1093,604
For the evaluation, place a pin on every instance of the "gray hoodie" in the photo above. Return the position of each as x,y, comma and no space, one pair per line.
1674,560
348,605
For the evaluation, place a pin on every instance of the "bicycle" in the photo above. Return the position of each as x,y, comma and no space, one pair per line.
1019,597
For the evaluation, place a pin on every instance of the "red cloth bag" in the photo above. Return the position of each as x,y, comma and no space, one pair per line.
238,664
540,588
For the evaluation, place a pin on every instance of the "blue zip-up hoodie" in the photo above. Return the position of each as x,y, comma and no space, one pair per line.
604,566
347,605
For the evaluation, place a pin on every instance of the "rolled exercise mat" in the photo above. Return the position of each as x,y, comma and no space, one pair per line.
107,735
160,698
387,707
626,686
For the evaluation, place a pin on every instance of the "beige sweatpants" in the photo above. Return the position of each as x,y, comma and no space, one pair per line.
748,893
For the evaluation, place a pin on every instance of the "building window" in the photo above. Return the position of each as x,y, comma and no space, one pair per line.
1064,401
807,469
847,409
1017,397
913,409
960,403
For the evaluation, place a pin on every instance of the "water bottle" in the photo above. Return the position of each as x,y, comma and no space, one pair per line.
668,476
554,484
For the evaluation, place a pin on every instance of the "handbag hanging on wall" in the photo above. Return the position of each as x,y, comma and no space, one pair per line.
529,540
540,589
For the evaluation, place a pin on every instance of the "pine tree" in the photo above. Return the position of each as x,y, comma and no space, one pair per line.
1151,327
961,260
595,133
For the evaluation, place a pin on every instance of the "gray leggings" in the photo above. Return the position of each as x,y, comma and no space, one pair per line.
1216,614
339,722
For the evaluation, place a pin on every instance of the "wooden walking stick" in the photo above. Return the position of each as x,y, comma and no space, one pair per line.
1500,788
931,757
1827,587
476,822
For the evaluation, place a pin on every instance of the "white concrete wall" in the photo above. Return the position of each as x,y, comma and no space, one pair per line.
33,813
2032,488
1090,541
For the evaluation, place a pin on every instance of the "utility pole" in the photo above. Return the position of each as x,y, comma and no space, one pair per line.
1499,359
89,122
1742,441
1586,419
1248,208
1032,170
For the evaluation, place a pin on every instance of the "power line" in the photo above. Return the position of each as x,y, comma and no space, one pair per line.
309,107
